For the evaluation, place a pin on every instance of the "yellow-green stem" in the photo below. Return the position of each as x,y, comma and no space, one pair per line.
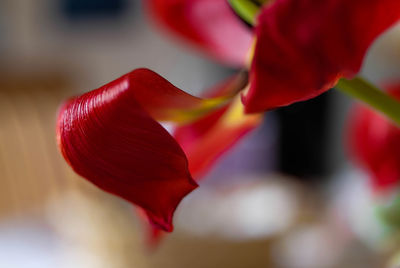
364,91
245,9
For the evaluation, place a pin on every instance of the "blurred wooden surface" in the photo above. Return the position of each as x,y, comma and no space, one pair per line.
108,235
31,168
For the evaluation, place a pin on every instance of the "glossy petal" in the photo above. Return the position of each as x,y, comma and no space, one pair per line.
109,138
304,46
374,142
211,25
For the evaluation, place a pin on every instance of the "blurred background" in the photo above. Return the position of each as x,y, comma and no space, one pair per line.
286,196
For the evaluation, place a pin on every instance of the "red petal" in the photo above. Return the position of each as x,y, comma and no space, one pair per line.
108,138
374,142
304,46
207,139
209,24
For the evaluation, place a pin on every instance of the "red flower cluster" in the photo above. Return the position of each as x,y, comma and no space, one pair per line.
111,135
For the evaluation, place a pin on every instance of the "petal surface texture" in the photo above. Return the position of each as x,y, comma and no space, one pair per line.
210,25
108,137
374,142
304,46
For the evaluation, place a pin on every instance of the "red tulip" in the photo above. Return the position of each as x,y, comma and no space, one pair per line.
375,144
110,136
303,46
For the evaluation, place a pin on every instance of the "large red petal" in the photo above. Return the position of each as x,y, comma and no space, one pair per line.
304,46
374,142
111,140
209,24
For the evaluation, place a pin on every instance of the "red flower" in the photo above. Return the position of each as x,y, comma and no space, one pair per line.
303,46
110,137
374,142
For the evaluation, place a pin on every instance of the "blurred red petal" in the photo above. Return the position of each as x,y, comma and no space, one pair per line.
207,139
108,138
304,46
374,142
211,25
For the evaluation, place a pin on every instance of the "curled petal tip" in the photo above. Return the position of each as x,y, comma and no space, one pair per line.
160,223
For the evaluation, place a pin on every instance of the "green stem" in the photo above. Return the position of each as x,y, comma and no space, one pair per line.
245,9
364,91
